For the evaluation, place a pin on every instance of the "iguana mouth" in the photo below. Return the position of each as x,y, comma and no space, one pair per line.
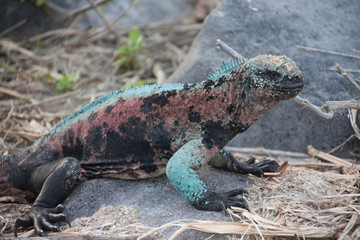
289,86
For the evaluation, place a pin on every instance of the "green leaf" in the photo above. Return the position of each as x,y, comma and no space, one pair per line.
138,46
45,76
122,51
103,6
134,35
8,68
74,77
37,44
67,81
139,83
40,3
120,62
127,56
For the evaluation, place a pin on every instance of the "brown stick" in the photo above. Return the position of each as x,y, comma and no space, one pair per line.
13,27
15,47
327,157
328,52
347,77
17,95
346,70
106,22
105,29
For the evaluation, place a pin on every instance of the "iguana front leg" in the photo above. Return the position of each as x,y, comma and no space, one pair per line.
55,180
224,159
180,172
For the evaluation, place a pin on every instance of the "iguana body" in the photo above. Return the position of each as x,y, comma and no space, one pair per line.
144,132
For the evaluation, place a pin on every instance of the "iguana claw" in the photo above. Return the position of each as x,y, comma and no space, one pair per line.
42,219
217,201
257,169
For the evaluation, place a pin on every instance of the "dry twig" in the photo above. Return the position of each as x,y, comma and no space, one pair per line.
327,157
108,25
347,77
17,95
134,2
13,27
326,51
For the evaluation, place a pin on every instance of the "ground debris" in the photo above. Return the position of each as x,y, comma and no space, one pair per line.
109,220
320,201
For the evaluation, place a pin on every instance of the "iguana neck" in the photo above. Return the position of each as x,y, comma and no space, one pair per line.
250,103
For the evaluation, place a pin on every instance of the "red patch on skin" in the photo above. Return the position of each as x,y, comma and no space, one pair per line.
113,119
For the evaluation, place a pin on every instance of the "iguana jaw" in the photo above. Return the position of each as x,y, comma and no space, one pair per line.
289,87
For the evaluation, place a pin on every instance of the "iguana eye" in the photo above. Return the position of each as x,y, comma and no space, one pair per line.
273,74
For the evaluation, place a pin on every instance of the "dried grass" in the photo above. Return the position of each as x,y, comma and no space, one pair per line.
109,220
303,202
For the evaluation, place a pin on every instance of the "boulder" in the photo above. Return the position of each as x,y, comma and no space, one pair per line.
156,200
37,21
277,27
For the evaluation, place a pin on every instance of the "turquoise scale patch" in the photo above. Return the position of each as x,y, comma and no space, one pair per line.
225,69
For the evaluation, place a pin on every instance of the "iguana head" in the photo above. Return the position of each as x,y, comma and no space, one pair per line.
273,77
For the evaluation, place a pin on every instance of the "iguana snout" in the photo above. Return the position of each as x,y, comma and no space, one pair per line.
277,75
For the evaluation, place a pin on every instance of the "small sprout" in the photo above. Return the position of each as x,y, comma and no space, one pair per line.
147,81
45,76
8,68
67,82
37,44
103,6
127,56
40,3
63,82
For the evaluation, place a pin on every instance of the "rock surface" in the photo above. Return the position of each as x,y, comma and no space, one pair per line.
157,201
275,27
37,21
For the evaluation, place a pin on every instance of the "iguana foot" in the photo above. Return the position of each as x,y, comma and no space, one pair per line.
258,169
43,219
221,201
224,159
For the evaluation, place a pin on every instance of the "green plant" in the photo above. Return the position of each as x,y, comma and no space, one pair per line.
139,83
127,56
45,76
103,6
9,68
67,82
37,44
63,82
40,3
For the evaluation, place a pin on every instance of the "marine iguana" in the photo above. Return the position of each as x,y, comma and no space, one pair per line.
147,131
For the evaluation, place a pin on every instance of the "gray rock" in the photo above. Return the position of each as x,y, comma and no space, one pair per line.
157,201
275,27
143,13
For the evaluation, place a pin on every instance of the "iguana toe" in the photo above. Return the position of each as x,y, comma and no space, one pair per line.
267,165
218,201
42,219
258,169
